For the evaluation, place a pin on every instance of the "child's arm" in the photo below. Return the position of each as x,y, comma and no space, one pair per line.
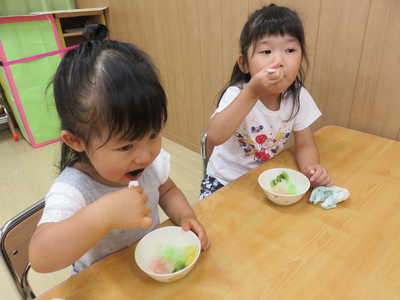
223,124
176,206
56,245
307,158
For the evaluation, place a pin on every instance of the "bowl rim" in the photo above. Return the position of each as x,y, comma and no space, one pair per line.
168,274
284,195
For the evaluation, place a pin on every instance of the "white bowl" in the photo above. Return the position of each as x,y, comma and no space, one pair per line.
299,179
148,249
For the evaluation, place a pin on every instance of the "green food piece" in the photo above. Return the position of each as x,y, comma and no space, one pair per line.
281,177
284,175
176,257
179,265
171,254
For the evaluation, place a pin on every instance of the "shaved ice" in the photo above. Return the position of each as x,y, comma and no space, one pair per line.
171,259
281,184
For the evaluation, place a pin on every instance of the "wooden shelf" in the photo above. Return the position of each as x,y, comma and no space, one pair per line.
74,12
69,34
71,23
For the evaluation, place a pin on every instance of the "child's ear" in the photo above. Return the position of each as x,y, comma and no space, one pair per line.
242,65
72,141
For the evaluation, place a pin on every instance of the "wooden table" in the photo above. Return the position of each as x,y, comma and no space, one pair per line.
264,251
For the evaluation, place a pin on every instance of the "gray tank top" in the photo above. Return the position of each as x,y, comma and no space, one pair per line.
116,239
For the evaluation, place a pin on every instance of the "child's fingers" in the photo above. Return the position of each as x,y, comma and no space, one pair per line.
205,243
201,235
314,174
326,178
312,169
143,215
188,224
198,230
328,181
146,210
185,225
146,222
323,180
137,189
144,199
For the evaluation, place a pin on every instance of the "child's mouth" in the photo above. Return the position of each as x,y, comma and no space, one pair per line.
134,174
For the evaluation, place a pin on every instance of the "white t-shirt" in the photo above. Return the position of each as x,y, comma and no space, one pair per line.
260,136
73,190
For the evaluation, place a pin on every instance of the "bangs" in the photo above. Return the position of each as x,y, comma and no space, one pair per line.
276,21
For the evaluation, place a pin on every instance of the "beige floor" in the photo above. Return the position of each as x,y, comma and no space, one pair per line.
26,174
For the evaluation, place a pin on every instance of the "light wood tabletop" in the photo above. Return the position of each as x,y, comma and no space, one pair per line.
264,251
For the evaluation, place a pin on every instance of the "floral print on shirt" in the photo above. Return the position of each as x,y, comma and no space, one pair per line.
263,144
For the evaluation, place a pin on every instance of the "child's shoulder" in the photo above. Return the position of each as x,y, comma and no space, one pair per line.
71,175
233,90
228,96
160,167
304,93
74,184
74,179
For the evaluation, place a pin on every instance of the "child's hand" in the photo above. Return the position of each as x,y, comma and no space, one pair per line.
195,226
125,209
262,83
318,176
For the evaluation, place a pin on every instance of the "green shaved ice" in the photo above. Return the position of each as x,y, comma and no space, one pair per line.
171,254
177,257
282,184
291,188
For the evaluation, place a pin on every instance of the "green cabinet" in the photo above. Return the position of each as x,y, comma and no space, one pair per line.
26,44
31,47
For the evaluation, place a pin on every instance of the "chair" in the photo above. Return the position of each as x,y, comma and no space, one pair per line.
15,237
205,151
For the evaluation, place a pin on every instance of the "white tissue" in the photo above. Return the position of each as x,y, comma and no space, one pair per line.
328,196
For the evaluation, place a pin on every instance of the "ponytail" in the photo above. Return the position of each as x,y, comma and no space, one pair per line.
95,32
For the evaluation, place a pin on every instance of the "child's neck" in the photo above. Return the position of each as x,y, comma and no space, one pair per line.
272,102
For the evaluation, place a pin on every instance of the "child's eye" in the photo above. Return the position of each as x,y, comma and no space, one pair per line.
125,148
265,51
291,50
153,136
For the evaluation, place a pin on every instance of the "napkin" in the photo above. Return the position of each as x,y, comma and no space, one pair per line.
328,196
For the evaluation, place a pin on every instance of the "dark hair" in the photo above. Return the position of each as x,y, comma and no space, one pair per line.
271,20
107,87
94,32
